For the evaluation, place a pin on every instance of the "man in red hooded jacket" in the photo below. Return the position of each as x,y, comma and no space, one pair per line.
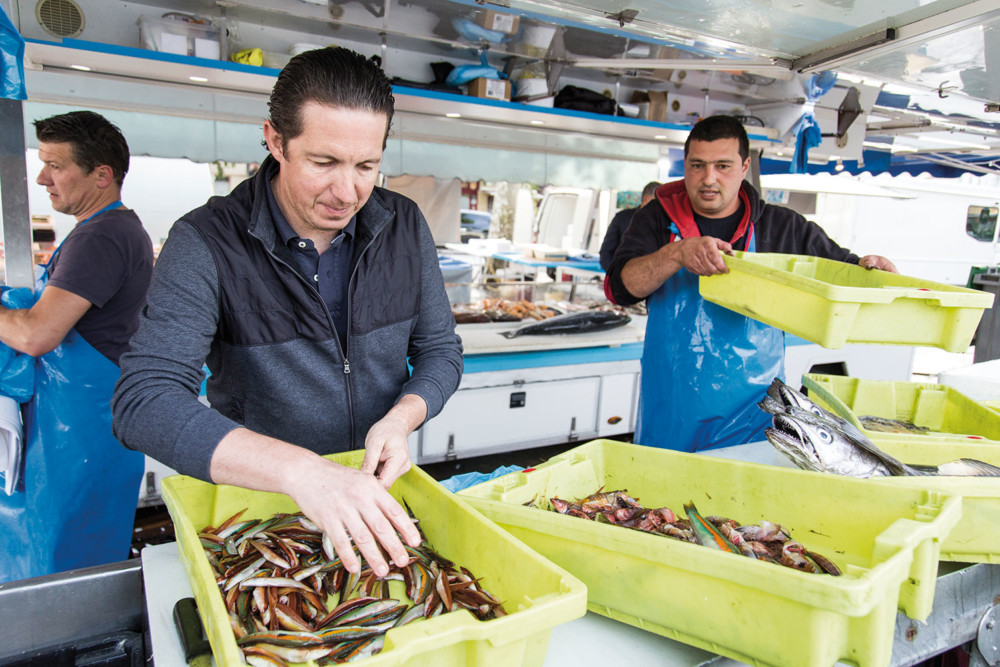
704,367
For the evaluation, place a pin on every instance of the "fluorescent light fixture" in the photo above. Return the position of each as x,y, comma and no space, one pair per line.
837,55
198,79
453,115
659,136
781,153
537,122
82,68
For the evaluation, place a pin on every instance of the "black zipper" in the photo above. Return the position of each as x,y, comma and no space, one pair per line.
343,352
350,289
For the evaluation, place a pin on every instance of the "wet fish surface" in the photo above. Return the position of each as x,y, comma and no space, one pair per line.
579,322
816,439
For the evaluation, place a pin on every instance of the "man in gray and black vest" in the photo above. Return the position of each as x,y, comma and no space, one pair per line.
305,291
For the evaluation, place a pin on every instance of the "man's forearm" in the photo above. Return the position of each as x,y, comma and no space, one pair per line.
259,462
643,275
410,410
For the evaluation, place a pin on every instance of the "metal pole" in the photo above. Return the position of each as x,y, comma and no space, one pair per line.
16,219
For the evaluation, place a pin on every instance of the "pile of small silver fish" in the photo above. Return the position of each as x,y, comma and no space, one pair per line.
290,599
816,439
767,541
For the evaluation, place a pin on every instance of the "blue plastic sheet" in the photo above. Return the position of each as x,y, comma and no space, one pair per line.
704,368
75,504
17,371
465,73
11,60
473,32
806,130
465,480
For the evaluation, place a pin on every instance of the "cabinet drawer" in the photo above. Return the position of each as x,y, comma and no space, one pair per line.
515,414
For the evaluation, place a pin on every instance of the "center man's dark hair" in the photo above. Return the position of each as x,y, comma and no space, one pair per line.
333,76
94,139
714,128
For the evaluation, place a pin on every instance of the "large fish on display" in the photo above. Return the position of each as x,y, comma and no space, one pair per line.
583,321
815,439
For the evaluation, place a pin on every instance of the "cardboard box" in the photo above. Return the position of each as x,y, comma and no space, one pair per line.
494,89
652,104
498,21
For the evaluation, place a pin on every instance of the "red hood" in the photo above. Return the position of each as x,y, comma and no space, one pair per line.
673,197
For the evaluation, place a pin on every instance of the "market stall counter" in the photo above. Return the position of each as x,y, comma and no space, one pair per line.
562,381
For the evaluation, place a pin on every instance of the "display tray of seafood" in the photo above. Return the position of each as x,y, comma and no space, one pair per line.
924,435
531,302
271,591
710,595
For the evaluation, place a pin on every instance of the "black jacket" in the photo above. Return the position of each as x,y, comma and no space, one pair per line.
226,293
776,229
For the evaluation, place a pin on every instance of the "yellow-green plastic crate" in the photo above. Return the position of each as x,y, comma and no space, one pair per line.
967,429
884,538
950,415
835,303
537,594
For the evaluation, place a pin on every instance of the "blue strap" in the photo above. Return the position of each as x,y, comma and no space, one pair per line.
110,207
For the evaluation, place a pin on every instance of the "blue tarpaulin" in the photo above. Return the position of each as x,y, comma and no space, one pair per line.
11,60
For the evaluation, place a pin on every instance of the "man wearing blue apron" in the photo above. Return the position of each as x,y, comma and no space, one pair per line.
75,504
704,368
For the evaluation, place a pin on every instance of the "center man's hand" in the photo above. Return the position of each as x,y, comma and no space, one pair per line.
387,451
702,255
352,504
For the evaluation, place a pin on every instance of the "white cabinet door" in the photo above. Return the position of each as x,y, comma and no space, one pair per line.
480,421
619,393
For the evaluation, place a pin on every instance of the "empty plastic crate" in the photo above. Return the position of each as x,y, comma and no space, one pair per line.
834,303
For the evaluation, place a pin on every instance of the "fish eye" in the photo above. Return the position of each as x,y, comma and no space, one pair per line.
825,436
815,409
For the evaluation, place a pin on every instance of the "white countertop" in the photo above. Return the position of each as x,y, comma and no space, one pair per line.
485,338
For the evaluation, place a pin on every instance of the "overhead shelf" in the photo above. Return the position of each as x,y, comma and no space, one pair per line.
200,76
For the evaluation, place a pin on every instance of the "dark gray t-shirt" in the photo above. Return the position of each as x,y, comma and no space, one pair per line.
108,261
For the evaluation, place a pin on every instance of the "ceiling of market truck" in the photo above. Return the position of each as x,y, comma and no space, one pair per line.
925,76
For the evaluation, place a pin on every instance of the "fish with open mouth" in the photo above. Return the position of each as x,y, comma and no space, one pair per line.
580,322
815,439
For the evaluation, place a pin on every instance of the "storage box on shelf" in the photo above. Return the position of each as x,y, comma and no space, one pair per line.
493,89
180,37
834,303
536,594
749,610
958,428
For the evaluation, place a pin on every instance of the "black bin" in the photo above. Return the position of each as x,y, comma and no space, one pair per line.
988,333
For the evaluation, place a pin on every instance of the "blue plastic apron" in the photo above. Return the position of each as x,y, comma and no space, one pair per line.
75,506
704,368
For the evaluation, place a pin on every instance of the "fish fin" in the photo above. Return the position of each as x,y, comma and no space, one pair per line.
968,468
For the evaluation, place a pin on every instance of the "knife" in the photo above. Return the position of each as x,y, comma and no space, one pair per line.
197,650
